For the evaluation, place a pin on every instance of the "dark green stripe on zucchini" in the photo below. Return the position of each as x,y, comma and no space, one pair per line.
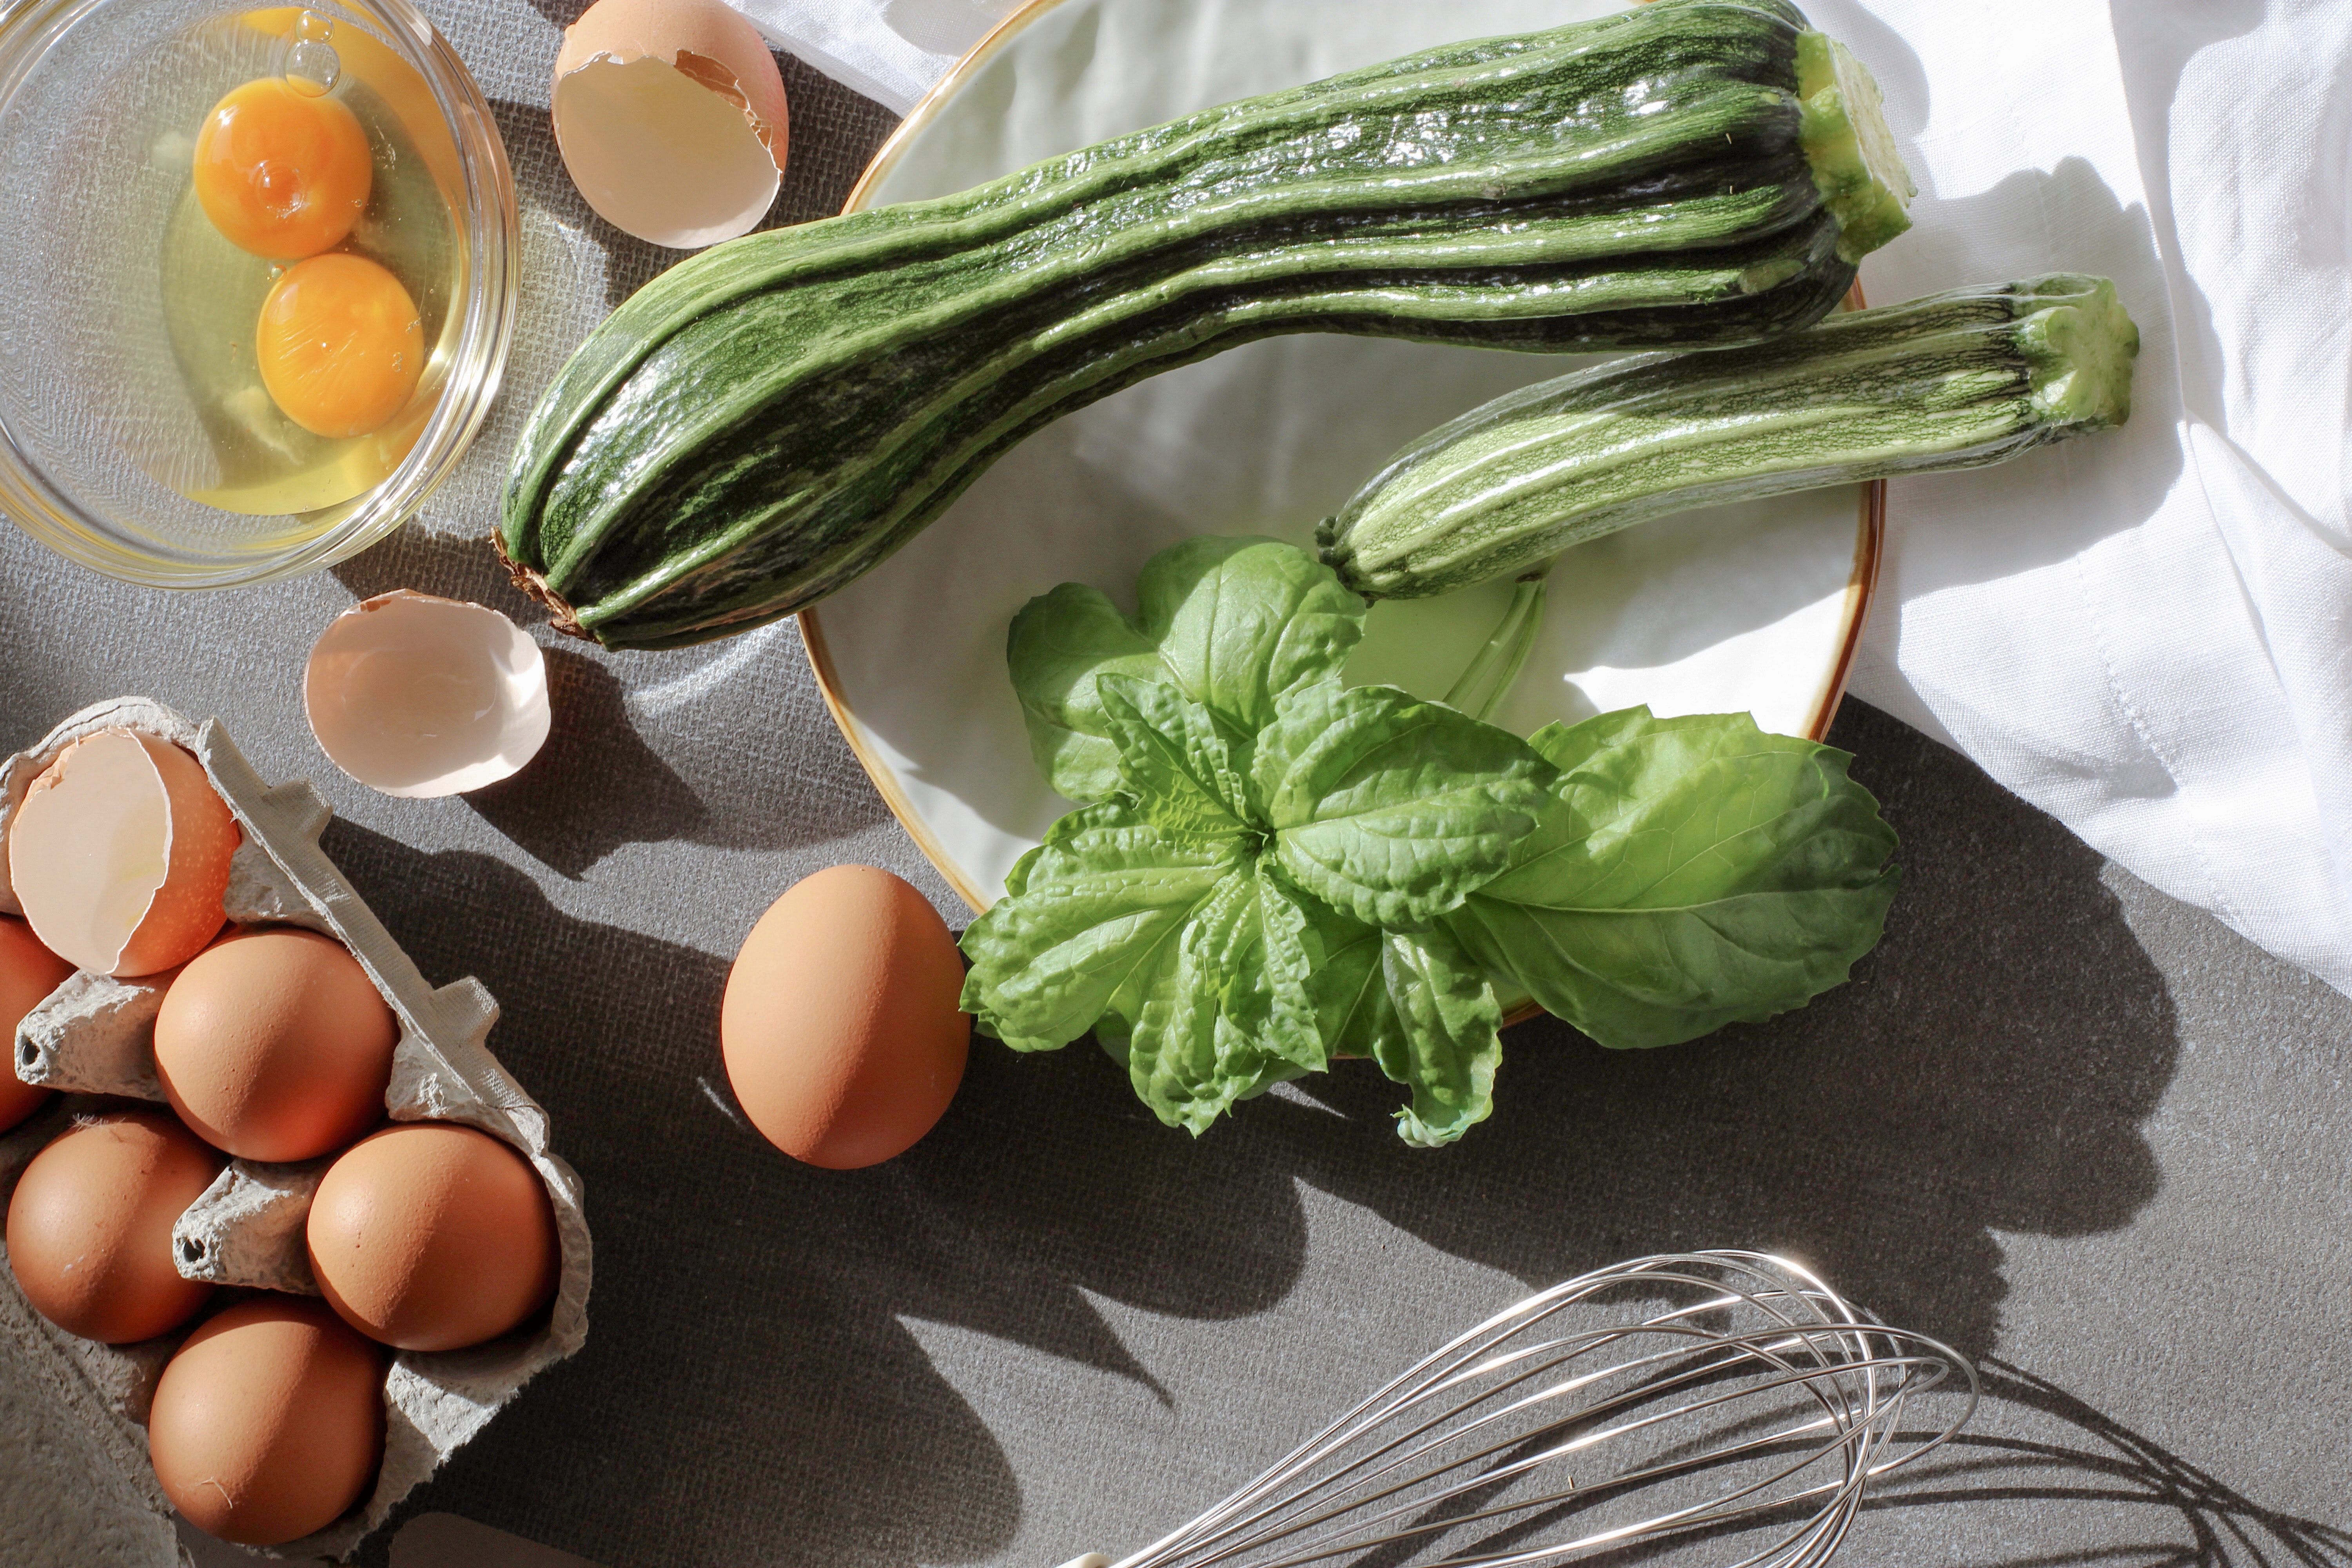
767,421
1952,381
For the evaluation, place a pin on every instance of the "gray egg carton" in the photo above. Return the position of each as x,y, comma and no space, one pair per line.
95,1036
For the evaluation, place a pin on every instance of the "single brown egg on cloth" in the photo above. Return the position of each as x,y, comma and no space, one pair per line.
841,1029
433,1237
120,855
274,1044
269,1424
90,1228
28,972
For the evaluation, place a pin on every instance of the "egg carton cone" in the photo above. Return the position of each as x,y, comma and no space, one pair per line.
94,1039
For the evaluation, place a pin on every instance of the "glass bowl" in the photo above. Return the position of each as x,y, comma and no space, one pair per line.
93,405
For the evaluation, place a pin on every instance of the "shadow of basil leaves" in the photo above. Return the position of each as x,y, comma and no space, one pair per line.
750,1391
1987,1068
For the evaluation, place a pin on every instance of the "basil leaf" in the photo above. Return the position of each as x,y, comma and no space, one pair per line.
1230,1015
1102,906
1388,809
1233,624
1351,998
1278,869
1691,872
1060,643
1173,759
1017,878
1241,622
1448,1039
1422,1008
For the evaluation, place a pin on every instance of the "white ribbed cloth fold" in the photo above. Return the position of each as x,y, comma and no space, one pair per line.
2147,634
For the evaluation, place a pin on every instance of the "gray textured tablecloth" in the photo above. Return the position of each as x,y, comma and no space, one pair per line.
2079,1130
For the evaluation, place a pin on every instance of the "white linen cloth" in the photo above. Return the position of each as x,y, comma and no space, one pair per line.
891,50
2147,634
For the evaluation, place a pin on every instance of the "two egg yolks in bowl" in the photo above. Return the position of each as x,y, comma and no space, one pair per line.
285,173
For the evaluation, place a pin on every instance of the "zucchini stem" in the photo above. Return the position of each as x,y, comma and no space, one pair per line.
1860,172
1497,665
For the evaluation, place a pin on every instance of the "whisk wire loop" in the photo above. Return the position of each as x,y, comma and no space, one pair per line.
1439,1372
1746,1391
1504,1471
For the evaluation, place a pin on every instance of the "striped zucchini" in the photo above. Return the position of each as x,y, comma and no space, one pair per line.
767,421
1952,381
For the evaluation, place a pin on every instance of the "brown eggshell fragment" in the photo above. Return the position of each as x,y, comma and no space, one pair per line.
28,972
120,855
90,1228
433,1237
841,1029
268,1425
671,118
274,1044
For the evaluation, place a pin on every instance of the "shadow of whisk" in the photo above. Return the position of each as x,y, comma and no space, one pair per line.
2077,1476
2111,1465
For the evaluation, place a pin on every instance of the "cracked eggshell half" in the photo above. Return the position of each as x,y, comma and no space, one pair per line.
419,697
670,115
120,855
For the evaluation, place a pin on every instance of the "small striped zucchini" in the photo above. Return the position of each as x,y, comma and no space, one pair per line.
1953,381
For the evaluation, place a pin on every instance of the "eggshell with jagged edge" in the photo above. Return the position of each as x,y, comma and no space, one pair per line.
419,697
120,855
671,119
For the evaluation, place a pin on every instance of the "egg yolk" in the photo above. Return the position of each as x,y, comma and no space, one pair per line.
281,174
339,345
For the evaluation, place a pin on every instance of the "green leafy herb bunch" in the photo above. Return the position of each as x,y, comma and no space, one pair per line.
1270,868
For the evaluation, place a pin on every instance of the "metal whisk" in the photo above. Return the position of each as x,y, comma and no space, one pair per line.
1739,1401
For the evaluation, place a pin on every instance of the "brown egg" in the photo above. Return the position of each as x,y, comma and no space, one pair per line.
90,1230
274,1044
840,1031
432,1236
28,972
120,855
268,1425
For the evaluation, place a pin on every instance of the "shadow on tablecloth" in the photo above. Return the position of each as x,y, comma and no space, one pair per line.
749,1391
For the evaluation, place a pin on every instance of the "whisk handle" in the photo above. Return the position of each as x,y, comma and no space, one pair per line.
1091,1560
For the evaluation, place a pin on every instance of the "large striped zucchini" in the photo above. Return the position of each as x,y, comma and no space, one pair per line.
765,422
1952,381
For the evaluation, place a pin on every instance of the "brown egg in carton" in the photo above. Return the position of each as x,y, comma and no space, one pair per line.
95,1036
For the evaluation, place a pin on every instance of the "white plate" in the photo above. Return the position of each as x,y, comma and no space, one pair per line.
1755,607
